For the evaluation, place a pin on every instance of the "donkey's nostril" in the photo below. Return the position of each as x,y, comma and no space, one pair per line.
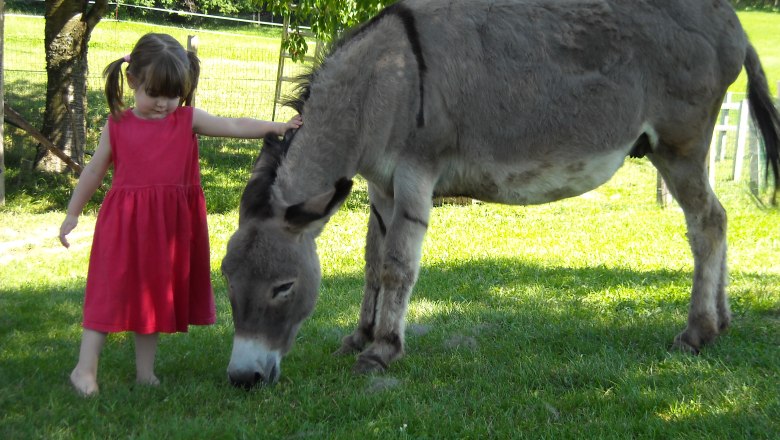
246,380
241,384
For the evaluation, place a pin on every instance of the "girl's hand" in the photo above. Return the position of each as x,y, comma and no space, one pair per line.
294,123
68,225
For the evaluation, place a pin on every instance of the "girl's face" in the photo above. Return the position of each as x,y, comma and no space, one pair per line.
153,107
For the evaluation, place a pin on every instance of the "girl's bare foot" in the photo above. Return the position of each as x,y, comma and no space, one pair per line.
150,380
85,383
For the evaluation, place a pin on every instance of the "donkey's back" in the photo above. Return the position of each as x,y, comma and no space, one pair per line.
542,100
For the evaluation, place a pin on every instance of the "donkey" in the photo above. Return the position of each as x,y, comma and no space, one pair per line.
508,101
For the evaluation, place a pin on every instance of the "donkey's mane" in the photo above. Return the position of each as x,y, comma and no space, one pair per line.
256,199
303,89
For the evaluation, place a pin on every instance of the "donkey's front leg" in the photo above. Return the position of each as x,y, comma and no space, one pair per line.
381,209
399,270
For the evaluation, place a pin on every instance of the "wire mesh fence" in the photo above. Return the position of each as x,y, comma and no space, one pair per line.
238,68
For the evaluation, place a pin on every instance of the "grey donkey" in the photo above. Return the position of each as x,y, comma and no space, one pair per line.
507,101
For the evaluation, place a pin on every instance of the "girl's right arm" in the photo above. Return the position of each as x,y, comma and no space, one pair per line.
247,128
89,181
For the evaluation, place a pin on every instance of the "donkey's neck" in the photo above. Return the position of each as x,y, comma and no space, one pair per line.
311,168
358,105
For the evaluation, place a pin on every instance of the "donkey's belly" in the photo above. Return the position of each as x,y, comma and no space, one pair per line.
531,181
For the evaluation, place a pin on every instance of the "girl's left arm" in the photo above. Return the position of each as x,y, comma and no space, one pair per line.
209,125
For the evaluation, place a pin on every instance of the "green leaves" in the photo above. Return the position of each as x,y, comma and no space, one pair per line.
326,18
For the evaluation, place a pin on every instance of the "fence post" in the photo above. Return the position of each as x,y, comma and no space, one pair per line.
756,175
743,129
723,121
662,195
192,46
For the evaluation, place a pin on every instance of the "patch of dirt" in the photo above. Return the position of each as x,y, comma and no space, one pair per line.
461,342
418,329
378,384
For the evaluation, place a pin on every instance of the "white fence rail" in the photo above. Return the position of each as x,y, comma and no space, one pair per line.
735,149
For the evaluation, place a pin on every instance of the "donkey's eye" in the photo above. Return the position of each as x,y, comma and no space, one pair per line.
282,289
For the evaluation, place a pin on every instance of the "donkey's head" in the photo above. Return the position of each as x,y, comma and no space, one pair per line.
272,269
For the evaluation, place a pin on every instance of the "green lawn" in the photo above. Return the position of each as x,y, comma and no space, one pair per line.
549,321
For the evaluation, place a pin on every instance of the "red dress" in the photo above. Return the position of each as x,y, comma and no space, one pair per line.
149,268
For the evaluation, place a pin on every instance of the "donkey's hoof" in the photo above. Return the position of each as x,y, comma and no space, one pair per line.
682,343
368,364
345,350
724,323
349,345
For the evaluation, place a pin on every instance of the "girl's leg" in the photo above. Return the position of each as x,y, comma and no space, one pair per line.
84,376
145,350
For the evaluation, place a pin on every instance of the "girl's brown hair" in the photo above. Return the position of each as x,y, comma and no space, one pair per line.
160,65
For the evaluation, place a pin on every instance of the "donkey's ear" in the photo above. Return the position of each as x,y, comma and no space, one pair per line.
256,198
316,211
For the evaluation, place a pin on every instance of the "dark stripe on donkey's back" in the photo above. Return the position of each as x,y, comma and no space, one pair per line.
410,26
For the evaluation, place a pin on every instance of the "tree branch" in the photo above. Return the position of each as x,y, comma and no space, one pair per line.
95,13
11,116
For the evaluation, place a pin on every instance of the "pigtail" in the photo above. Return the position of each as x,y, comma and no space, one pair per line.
114,87
194,76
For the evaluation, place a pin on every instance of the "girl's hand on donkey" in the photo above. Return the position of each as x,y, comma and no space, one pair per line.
294,123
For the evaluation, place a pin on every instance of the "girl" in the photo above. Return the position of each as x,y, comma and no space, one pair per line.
149,266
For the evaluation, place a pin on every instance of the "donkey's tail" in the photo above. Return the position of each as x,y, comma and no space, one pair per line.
764,113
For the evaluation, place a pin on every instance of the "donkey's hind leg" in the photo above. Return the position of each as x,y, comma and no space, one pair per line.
381,209
705,217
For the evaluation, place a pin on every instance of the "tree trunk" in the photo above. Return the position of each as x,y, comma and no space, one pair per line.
69,24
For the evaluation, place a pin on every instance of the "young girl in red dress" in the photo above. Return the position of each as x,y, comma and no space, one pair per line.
149,266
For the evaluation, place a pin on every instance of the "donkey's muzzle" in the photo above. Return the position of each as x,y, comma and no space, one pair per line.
252,363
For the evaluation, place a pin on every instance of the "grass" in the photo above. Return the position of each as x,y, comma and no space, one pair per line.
548,321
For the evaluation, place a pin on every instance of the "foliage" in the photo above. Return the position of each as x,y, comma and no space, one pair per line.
757,4
325,17
221,7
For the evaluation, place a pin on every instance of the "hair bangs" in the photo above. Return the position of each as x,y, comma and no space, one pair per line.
167,77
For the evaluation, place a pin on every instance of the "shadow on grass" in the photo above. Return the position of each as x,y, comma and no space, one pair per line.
540,331
553,307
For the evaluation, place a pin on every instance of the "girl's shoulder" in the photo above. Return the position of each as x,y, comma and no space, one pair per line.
187,111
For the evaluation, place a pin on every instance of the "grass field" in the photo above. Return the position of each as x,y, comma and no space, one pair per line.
549,321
